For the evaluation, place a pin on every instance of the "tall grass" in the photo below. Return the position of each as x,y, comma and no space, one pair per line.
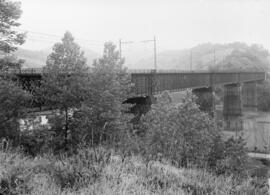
100,171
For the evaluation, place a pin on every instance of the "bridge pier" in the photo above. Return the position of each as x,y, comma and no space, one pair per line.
205,99
232,107
250,97
141,105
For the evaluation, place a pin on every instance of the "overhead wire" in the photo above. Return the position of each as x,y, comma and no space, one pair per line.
59,36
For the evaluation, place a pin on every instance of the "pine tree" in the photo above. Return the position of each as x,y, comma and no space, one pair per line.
109,85
64,86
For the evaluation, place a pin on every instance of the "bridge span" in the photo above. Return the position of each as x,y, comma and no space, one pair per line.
240,89
152,82
148,82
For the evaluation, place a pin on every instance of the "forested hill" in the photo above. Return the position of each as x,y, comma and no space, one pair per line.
207,56
250,58
233,56
37,58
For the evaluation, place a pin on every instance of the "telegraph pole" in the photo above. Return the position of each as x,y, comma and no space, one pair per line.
190,60
155,53
214,57
120,46
155,50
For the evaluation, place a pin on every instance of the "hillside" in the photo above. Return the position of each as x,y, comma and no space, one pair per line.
212,56
36,59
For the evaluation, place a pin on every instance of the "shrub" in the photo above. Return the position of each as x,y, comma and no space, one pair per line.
179,132
234,158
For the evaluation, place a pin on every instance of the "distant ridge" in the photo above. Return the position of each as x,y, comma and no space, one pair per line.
37,58
207,56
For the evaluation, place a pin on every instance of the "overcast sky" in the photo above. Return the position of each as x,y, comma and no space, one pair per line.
177,24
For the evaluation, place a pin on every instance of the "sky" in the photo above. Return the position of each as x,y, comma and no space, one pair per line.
176,24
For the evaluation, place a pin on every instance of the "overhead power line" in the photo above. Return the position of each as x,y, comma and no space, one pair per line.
61,36
51,41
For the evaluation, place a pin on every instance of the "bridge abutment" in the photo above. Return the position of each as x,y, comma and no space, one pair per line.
205,99
249,96
232,107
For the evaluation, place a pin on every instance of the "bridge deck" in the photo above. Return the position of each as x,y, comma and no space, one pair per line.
152,82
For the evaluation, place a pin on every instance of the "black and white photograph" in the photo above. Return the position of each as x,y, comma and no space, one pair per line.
134,97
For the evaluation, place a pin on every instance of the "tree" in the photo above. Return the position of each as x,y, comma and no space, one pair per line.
10,12
109,85
64,86
13,101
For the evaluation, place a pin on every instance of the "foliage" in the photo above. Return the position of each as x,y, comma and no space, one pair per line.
87,105
38,141
13,101
101,115
180,133
185,136
64,86
100,171
233,159
10,12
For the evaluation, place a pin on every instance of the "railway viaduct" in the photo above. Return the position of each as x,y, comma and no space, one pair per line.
240,88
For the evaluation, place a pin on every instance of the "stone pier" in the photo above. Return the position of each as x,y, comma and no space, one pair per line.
249,96
232,108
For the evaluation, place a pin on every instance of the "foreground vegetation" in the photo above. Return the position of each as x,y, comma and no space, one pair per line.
101,171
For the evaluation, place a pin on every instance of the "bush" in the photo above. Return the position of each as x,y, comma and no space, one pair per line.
234,158
179,132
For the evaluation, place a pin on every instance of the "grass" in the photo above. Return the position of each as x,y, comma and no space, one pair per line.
101,171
